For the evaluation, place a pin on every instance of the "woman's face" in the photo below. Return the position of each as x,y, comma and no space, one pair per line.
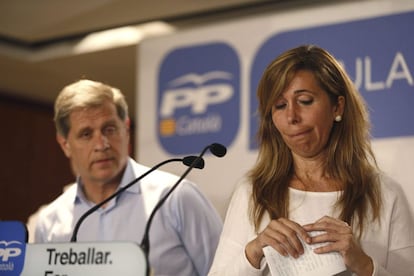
304,115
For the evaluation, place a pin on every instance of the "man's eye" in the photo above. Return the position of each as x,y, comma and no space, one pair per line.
110,130
85,135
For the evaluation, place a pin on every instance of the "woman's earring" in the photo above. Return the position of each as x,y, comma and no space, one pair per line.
338,118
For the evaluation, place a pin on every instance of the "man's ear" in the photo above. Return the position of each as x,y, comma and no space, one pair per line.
128,126
63,142
128,123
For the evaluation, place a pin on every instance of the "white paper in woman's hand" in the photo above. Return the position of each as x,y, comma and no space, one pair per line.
309,263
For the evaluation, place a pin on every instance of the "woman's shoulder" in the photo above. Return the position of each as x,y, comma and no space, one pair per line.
390,187
243,187
393,194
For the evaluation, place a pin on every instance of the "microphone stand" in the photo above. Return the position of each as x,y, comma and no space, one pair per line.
191,161
121,190
218,150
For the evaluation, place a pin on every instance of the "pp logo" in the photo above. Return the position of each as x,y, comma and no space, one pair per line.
13,238
198,98
9,251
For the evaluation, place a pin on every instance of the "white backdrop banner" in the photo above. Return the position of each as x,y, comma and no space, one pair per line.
198,86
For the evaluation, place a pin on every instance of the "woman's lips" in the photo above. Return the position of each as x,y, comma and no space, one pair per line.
299,134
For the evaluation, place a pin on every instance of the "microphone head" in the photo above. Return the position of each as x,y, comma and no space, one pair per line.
189,160
218,149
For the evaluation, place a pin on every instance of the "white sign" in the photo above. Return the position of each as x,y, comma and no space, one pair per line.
81,258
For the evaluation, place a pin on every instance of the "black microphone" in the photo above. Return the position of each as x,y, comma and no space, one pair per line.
218,150
191,161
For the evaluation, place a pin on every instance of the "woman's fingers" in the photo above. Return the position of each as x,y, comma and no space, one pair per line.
332,234
285,235
282,234
329,224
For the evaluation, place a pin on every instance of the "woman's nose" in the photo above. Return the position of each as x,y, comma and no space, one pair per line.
292,114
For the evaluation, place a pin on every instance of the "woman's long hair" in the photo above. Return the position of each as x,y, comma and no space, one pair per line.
350,159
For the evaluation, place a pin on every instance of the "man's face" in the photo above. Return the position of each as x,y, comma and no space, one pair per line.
97,144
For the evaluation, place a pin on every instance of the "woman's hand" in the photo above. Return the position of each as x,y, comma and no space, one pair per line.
281,234
340,238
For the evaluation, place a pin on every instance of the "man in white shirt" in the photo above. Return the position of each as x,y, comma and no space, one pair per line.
93,131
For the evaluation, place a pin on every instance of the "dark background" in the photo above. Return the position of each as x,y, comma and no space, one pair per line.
34,169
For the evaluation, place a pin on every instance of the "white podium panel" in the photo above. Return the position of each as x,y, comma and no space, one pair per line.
84,258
